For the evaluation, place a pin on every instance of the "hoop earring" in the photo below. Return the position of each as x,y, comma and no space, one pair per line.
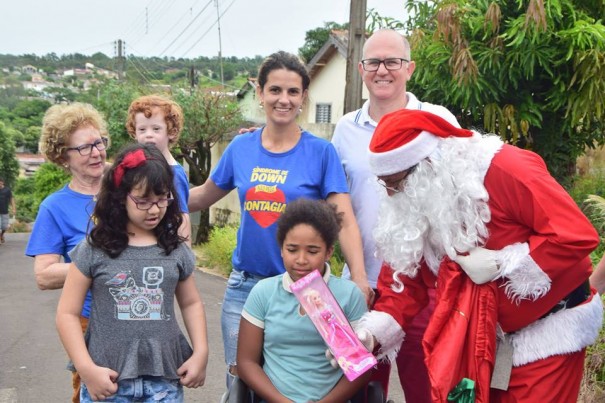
327,266
261,105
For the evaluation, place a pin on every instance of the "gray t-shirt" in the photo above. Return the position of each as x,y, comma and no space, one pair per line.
133,329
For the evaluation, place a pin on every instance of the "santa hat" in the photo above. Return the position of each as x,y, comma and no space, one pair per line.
405,137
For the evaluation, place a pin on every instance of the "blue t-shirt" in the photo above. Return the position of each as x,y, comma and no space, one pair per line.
63,221
181,185
266,182
293,349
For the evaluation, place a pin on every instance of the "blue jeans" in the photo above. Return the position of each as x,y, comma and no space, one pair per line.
239,286
147,389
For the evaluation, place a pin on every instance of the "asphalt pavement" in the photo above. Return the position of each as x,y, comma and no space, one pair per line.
32,359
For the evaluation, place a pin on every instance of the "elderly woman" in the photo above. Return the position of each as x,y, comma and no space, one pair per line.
75,138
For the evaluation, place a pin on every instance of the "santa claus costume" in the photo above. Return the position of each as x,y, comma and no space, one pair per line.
505,246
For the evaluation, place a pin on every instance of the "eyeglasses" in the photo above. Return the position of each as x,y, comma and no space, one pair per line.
391,63
396,185
146,204
86,149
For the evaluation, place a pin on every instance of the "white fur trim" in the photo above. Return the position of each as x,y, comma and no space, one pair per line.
563,332
525,279
398,160
490,145
387,331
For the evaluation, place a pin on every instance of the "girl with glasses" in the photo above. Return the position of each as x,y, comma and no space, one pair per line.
135,263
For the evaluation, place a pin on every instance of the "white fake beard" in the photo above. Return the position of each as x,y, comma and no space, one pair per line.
441,211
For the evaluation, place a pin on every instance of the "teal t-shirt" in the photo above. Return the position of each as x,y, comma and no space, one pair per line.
294,352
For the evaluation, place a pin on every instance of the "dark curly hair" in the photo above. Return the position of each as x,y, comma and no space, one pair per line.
110,216
319,214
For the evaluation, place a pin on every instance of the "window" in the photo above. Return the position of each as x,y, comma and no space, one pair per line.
323,113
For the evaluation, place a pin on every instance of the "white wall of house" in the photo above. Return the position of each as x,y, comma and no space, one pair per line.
328,87
249,105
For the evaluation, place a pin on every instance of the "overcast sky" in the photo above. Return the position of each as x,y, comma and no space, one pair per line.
178,28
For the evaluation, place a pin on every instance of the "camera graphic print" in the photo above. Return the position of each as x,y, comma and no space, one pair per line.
135,302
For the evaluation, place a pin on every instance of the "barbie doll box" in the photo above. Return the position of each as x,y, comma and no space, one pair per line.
319,303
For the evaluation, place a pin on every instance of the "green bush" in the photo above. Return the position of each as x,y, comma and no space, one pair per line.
592,389
588,192
337,261
216,253
588,184
29,192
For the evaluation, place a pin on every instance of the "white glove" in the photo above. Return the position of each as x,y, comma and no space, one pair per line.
480,265
365,337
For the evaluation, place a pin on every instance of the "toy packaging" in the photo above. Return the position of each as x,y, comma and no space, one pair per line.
319,303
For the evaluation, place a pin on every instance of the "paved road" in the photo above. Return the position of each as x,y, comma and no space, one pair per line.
32,359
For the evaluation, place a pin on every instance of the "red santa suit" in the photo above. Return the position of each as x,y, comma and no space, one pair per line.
543,243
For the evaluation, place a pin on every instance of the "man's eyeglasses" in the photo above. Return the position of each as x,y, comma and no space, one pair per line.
86,149
392,63
396,185
146,204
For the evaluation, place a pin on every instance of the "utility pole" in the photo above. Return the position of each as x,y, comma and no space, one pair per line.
357,37
120,50
191,79
220,46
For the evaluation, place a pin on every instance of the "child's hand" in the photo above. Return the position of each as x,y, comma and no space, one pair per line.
100,381
193,371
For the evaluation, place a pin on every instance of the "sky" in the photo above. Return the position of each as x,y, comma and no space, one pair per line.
173,28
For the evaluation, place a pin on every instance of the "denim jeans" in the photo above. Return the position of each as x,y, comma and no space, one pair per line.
147,389
238,288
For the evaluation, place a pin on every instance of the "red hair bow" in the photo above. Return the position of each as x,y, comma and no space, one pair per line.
132,160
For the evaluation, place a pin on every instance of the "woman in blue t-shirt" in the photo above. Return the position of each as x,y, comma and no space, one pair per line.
74,137
270,167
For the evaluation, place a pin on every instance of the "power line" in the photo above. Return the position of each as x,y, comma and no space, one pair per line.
138,71
151,59
187,27
191,34
139,28
204,34
178,22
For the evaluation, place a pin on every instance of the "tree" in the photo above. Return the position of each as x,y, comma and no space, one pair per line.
61,94
112,100
31,191
209,118
531,71
31,138
316,38
9,166
32,109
